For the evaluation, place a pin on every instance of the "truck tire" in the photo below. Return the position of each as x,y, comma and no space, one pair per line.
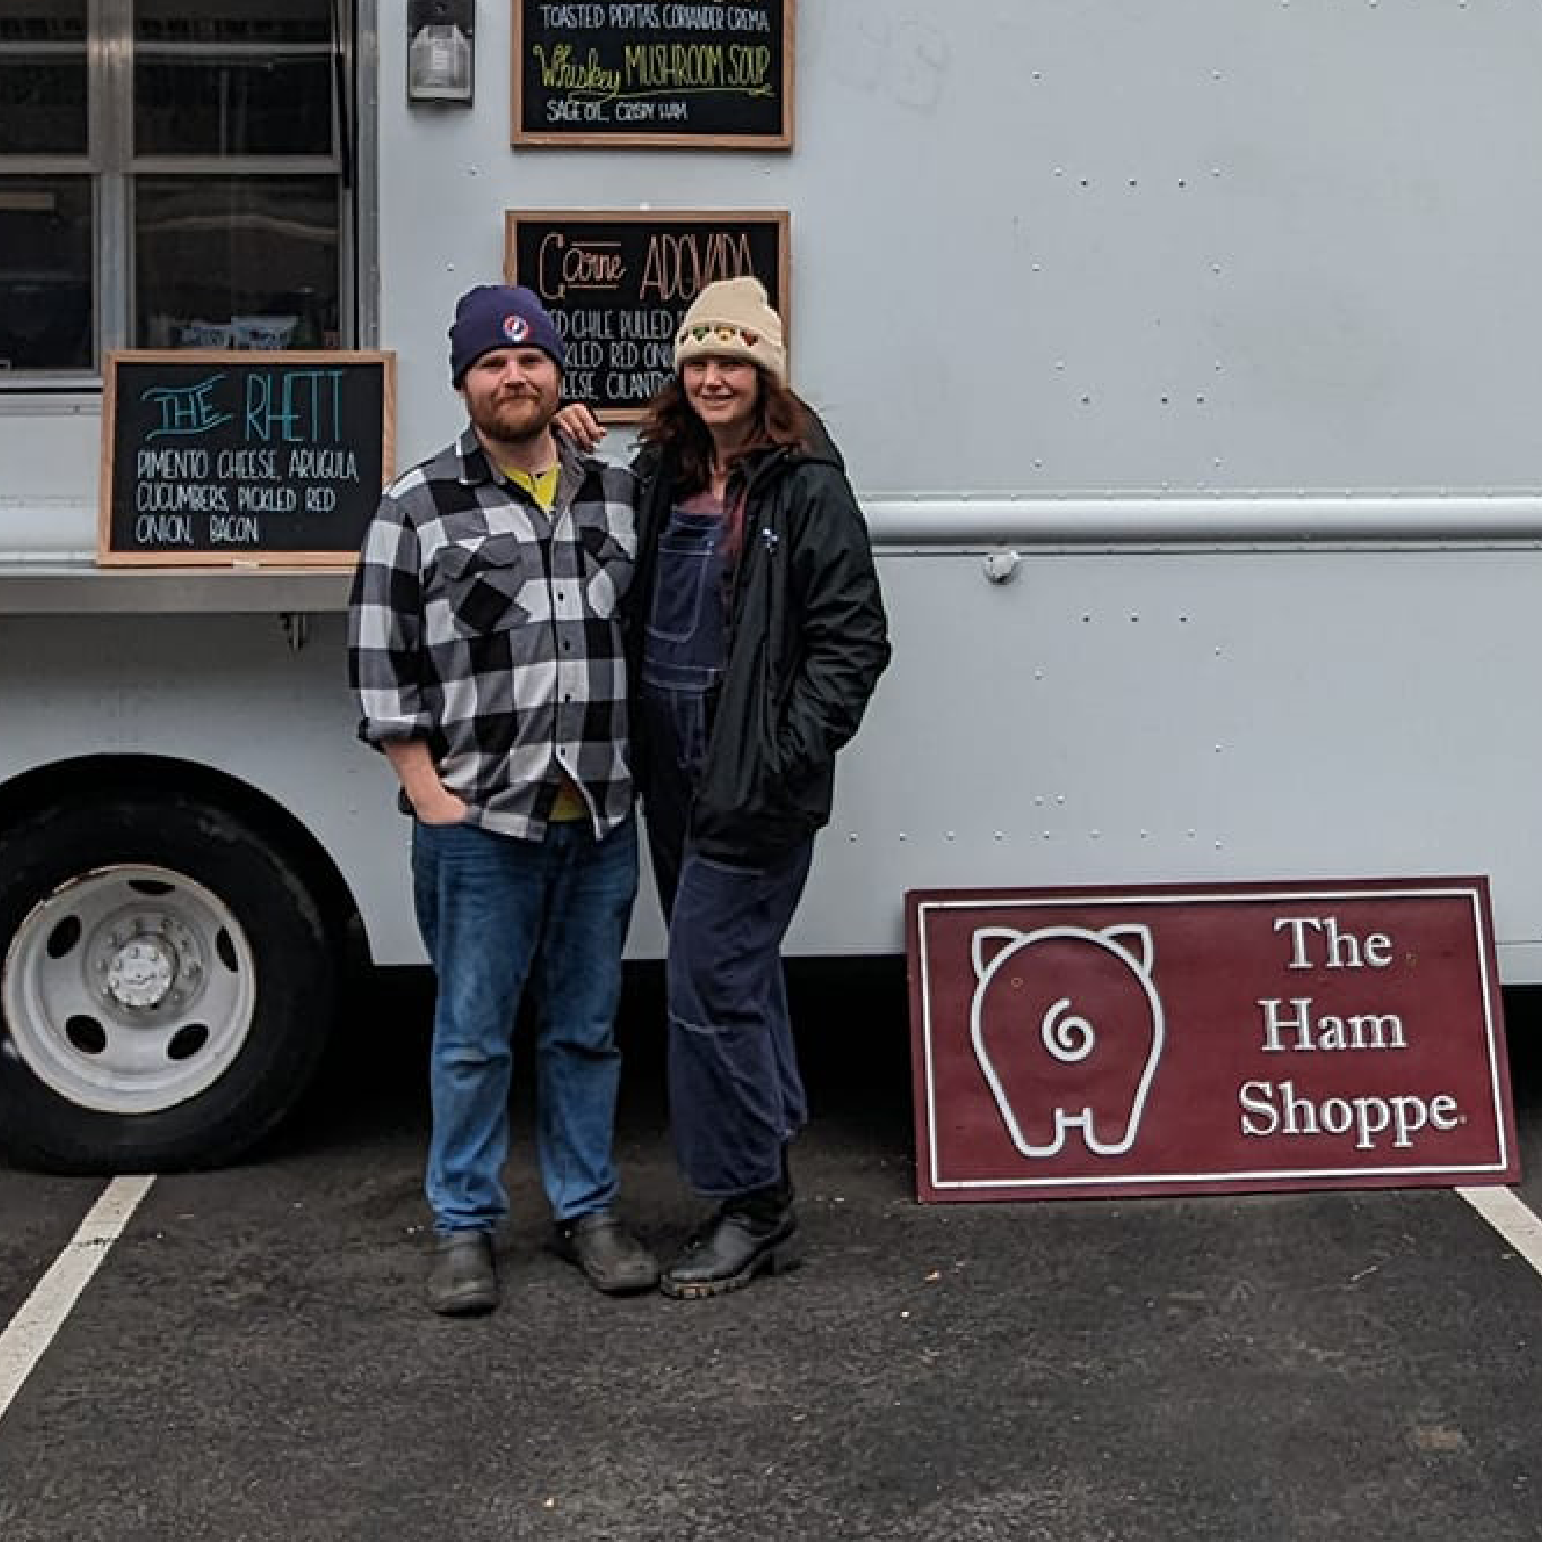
166,986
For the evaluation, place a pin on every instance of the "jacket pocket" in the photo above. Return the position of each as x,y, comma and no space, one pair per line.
481,582
800,788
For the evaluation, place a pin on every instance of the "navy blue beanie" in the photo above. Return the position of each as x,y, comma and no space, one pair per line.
499,316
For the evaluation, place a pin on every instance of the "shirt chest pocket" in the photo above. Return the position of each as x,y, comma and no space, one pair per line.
480,584
607,569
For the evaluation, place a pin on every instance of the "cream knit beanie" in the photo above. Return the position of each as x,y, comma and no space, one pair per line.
733,319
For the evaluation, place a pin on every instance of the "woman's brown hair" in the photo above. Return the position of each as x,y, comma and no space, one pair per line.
672,426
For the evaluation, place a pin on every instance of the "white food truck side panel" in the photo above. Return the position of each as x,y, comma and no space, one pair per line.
49,474
230,693
1181,245
1198,715
1069,246
1222,314
1046,248
1092,720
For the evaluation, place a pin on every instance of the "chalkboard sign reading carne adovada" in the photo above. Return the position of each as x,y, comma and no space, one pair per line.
618,286
240,458
660,73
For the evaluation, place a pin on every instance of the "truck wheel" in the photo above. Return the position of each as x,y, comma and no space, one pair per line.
165,987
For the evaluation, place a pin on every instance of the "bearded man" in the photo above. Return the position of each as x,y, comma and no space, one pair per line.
485,647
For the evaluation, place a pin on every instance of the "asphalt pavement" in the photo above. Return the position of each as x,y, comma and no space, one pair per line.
253,1362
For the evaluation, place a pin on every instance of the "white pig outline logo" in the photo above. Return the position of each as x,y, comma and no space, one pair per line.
1067,1037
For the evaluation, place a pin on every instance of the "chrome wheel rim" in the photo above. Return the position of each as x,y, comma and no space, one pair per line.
129,989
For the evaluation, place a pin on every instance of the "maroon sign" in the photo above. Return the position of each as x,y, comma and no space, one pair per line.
1216,1039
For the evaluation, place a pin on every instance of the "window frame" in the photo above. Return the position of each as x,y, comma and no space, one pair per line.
113,167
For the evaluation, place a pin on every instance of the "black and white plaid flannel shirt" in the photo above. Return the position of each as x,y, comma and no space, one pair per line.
493,633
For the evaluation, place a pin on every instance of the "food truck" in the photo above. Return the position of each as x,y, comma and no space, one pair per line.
1186,356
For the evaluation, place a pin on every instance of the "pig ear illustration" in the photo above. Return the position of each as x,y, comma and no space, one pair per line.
1136,941
988,944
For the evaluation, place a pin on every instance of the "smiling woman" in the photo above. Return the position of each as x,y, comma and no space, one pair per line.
760,636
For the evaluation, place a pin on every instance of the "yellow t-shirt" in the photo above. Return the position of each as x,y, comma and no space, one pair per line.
542,486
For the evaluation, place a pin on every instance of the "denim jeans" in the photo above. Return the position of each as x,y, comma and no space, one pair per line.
496,912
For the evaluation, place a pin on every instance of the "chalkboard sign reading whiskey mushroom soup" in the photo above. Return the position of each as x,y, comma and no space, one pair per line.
618,286
228,458
654,74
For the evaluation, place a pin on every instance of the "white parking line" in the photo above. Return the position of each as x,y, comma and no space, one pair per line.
1511,1219
42,1314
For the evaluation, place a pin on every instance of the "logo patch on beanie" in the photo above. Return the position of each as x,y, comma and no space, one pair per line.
516,328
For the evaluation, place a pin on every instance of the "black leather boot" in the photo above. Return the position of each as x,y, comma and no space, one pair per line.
462,1280
786,1183
750,1234
611,1258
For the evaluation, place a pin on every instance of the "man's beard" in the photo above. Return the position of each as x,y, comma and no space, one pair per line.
514,418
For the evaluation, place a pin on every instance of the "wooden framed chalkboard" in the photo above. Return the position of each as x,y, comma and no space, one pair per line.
243,458
618,284
654,74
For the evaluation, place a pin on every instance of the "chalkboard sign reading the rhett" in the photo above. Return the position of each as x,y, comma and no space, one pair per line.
241,458
700,72
618,286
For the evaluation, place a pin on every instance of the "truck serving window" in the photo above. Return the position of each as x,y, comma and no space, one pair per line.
171,176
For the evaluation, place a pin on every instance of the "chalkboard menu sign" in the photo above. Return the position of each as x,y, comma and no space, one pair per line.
239,458
618,285
654,74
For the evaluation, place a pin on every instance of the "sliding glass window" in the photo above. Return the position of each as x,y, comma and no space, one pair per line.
172,175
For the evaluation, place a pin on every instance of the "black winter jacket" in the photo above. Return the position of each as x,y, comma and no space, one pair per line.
807,641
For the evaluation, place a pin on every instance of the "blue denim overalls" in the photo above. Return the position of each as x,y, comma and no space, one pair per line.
735,1094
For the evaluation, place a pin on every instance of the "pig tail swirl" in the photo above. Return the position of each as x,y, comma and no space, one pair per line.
1068,1039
